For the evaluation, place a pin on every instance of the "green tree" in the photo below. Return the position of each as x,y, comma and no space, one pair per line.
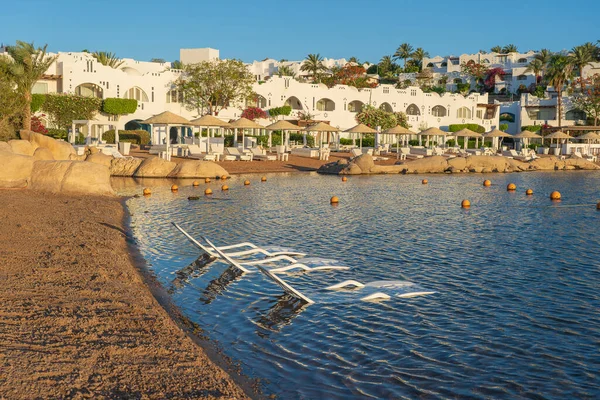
107,59
374,117
543,56
11,107
560,70
581,57
509,48
475,71
210,86
536,67
64,108
588,98
177,64
24,68
118,107
418,55
285,70
354,60
496,49
313,64
404,51
158,60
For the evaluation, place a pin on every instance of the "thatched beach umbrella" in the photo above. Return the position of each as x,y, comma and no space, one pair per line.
166,119
398,130
525,135
496,134
208,121
467,133
558,135
321,127
360,129
283,126
432,132
244,123
589,137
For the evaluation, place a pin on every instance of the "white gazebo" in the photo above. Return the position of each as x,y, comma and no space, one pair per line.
321,128
243,124
210,123
93,130
285,127
160,124
361,129
466,133
397,131
435,132
496,135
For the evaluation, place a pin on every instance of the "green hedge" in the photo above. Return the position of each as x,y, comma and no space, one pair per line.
277,111
474,127
532,128
57,133
135,137
119,106
503,127
310,140
37,100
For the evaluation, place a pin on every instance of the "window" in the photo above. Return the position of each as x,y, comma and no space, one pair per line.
479,114
40,88
438,111
444,64
575,114
325,105
463,112
458,80
522,61
355,106
522,77
430,65
174,96
413,110
137,94
89,90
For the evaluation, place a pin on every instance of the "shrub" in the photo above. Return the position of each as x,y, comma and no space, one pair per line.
80,139
474,127
277,111
297,137
37,100
37,126
116,106
253,113
345,142
139,137
463,87
413,142
503,127
532,128
58,133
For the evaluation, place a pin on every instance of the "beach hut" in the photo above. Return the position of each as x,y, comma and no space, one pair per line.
165,120
397,131
559,136
243,124
525,136
285,127
321,128
435,132
208,122
466,133
360,129
496,135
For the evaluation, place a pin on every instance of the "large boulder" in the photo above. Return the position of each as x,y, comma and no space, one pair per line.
387,169
334,168
60,150
42,153
427,165
457,164
124,166
364,162
4,146
197,169
23,147
579,163
100,158
71,177
155,167
15,169
547,163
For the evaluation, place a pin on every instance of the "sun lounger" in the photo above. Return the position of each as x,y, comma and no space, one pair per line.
233,151
513,154
259,154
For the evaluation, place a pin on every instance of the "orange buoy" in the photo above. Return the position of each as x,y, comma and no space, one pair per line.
174,188
529,192
207,180
334,200
511,187
465,204
487,182
147,192
246,182
598,206
555,195
208,191
196,183
223,177
344,179
424,181
263,179
224,187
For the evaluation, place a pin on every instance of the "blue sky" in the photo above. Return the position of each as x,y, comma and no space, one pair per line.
254,30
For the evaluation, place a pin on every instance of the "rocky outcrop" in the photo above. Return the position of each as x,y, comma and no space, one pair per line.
197,169
124,166
4,146
100,158
60,150
15,169
426,165
42,153
71,177
154,167
23,147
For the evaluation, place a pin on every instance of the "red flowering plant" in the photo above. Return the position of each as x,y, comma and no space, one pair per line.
37,126
492,76
253,113
350,75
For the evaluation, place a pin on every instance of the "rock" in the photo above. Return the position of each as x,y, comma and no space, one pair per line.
100,158
77,157
155,167
42,153
72,177
580,163
4,146
333,168
60,150
23,147
92,150
457,163
545,163
15,169
387,169
197,169
434,164
364,162
124,166
351,169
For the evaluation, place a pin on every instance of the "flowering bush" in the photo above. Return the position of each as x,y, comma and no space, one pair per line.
253,113
374,117
37,126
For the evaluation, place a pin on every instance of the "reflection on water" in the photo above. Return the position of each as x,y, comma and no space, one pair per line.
516,281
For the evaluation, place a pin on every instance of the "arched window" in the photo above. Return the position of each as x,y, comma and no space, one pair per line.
463,112
522,77
438,111
444,64
261,102
413,110
294,103
355,106
89,90
386,107
325,105
137,94
485,61
458,80
575,114
430,65
522,60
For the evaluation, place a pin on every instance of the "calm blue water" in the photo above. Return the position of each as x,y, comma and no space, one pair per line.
516,313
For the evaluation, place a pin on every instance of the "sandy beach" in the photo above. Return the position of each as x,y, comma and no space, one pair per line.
77,319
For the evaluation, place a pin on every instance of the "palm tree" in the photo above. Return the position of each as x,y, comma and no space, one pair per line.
26,67
285,70
496,49
536,67
354,60
509,48
560,70
108,59
404,51
581,57
386,66
177,64
418,55
543,56
314,65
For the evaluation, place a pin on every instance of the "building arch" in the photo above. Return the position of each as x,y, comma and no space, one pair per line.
485,61
522,60
325,105
444,64
430,65
413,109
131,71
355,106
386,107
463,112
293,102
261,102
89,90
439,111
575,114
136,93
458,80
507,116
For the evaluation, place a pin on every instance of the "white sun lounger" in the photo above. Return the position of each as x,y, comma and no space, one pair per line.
403,287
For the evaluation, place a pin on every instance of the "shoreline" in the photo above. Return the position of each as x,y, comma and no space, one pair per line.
79,318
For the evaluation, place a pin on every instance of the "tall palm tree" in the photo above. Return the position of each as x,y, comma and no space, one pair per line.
285,70
560,70
509,48
108,59
543,56
418,55
25,67
386,65
536,67
496,49
314,65
581,57
354,60
404,51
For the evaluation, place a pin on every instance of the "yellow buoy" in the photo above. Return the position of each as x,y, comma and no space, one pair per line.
424,181
196,183
529,192
344,179
511,187
263,179
555,195
598,206
208,191
465,204
487,182
207,180
246,182
223,177
174,188
147,192
224,187
334,200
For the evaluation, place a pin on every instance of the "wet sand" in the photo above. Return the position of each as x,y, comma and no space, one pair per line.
77,319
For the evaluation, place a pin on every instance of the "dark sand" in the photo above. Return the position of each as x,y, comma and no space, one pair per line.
77,319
